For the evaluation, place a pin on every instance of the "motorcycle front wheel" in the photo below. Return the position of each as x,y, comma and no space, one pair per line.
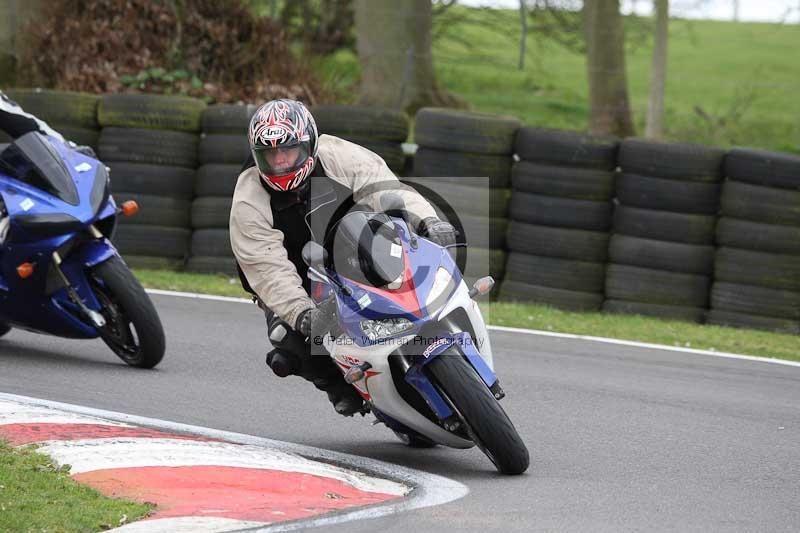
486,422
133,330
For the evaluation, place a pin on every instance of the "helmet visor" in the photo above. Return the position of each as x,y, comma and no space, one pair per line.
281,160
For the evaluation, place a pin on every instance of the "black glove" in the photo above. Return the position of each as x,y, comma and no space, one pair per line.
438,231
317,320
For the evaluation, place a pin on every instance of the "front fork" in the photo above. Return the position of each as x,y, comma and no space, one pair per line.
87,255
95,318
457,345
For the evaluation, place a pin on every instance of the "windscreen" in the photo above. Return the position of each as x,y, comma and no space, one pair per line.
365,247
32,159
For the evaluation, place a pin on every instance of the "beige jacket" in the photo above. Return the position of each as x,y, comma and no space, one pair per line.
258,246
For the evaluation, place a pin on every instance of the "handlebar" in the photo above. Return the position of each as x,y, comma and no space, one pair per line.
329,313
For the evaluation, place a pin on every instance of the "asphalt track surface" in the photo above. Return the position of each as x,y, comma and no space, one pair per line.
621,438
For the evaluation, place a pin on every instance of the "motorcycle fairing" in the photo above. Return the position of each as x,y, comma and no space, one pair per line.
38,221
364,302
367,302
22,199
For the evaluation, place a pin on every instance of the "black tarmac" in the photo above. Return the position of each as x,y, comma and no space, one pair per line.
621,438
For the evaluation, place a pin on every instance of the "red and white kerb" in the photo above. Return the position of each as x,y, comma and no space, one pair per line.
197,483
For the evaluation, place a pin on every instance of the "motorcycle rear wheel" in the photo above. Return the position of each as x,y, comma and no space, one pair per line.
486,421
133,330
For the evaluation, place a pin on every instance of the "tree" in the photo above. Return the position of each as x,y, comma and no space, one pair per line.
393,39
609,105
322,25
202,48
14,43
7,60
658,72
523,33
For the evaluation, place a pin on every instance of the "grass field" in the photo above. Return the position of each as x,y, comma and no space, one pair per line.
37,496
636,328
742,77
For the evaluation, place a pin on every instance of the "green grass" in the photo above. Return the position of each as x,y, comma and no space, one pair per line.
635,328
37,496
743,76
645,329
186,282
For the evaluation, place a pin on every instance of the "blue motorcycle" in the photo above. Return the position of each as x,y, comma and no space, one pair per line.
59,273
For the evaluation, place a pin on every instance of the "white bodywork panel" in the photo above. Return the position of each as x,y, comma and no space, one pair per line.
378,384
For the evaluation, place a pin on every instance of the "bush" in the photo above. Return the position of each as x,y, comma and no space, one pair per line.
201,48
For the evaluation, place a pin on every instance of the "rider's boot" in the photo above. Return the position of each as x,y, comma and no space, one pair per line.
322,372
325,376
346,401
292,356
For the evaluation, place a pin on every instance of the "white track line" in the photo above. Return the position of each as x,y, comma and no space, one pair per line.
647,345
200,296
428,489
606,340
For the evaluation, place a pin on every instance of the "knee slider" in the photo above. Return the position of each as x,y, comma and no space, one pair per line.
282,363
288,349
277,332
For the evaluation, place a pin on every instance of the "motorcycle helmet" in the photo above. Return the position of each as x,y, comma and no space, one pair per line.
283,141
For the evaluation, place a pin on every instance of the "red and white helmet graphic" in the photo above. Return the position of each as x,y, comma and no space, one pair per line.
283,140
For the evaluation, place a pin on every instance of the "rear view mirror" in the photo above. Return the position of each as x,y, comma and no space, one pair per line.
314,254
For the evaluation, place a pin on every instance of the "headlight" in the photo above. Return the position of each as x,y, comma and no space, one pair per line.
442,286
379,329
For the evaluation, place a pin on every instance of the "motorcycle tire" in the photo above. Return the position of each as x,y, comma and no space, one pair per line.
133,329
486,421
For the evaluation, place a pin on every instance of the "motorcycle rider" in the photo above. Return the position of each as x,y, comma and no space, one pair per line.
15,122
291,173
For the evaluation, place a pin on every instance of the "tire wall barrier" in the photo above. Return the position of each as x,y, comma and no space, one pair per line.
465,159
222,151
670,230
72,114
150,144
380,130
757,267
560,216
661,251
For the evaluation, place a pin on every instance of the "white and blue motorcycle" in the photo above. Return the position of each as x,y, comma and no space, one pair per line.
409,336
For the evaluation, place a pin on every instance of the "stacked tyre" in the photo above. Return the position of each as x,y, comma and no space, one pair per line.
560,217
378,129
73,115
150,144
222,152
463,163
661,252
757,270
